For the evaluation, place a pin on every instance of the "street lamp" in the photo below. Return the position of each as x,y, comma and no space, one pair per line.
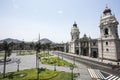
71,68
18,62
58,58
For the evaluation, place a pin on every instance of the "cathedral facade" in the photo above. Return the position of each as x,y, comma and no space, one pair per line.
106,47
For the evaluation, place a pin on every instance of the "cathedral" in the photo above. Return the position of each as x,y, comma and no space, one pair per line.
106,47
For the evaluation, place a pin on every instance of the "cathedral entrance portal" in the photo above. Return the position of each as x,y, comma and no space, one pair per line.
77,51
95,54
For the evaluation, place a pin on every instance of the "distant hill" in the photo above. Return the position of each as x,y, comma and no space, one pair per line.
43,41
46,41
9,40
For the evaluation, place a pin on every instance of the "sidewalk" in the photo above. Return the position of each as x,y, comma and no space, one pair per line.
90,58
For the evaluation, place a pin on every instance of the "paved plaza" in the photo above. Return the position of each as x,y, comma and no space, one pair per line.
29,62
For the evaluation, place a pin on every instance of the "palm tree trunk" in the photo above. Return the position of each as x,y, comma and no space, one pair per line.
4,69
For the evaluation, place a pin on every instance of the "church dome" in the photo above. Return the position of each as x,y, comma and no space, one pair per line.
107,10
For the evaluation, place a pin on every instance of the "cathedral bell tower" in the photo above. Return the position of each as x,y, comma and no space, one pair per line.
109,43
74,43
74,32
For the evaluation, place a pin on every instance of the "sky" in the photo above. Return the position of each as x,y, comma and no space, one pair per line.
52,19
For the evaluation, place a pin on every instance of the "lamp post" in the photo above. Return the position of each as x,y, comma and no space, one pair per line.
71,68
18,62
58,58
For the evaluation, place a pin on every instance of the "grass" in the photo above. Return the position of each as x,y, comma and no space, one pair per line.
2,54
45,55
26,53
57,61
31,75
64,76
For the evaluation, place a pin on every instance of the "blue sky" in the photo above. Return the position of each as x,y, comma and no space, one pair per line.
53,19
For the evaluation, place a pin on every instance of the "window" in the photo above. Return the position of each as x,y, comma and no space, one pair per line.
94,43
72,37
107,49
106,43
77,44
106,31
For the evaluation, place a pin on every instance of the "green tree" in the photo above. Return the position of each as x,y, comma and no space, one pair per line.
32,46
21,46
43,47
8,49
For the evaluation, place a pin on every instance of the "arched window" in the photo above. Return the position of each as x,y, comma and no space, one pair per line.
106,31
106,43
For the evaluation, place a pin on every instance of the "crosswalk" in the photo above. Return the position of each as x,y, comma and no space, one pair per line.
96,74
112,77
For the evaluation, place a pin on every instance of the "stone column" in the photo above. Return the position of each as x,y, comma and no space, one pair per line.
79,48
89,48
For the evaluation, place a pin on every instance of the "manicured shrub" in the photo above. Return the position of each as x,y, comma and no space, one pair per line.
50,76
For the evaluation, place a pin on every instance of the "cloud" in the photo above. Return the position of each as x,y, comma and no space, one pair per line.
60,12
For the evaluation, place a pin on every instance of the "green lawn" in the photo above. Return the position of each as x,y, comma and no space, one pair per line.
44,75
26,53
64,76
1,54
45,55
57,62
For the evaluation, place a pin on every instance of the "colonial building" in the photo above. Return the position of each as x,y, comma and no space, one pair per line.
82,46
109,42
106,47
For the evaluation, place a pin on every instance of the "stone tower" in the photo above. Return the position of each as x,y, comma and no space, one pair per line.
74,44
109,43
74,32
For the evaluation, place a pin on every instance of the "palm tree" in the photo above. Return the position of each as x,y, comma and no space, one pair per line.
37,48
31,46
8,49
12,45
43,46
21,46
48,46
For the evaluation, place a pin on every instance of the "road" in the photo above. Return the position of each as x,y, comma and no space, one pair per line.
91,64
